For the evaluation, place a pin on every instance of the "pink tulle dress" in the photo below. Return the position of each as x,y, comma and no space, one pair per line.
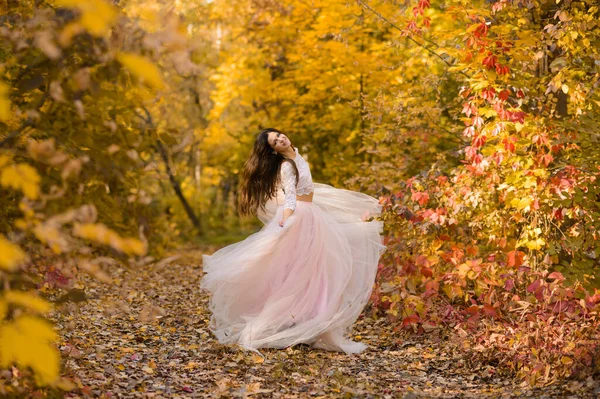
305,282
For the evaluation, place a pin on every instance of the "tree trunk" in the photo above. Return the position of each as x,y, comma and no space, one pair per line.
188,209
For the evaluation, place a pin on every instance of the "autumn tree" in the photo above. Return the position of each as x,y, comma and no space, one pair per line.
508,236
97,104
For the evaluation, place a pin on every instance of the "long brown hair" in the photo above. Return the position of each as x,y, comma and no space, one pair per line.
260,177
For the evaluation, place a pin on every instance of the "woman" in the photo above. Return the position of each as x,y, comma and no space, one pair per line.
307,274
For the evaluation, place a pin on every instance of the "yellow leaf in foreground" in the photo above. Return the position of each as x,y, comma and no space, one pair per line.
133,246
98,20
69,31
146,71
4,160
102,234
27,341
97,16
22,177
65,384
28,300
70,3
4,102
3,309
10,255
50,235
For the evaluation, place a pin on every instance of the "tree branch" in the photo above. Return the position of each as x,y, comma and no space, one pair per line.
368,7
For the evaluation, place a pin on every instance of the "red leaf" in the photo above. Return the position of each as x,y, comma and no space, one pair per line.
432,286
421,197
424,3
488,93
412,319
490,61
534,286
501,69
509,143
472,310
479,141
481,30
489,311
546,159
558,213
509,284
421,260
556,276
515,258
412,25
517,116
470,152
473,250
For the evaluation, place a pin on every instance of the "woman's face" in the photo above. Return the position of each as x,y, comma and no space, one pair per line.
278,141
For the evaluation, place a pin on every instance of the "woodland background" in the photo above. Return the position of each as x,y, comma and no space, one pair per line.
124,126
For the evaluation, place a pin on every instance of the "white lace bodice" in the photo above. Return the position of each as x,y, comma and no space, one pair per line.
288,181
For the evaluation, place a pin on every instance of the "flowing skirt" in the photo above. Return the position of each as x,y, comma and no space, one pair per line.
305,282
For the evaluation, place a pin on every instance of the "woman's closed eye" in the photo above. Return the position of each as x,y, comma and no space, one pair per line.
278,139
274,143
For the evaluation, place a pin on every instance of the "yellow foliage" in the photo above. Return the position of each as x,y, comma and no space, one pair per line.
521,203
463,270
535,244
4,160
4,102
146,71
28,300
132,246
27,341
97,16
22,177
147,14
10,255
452,291
51,235
417,303
566,360
102,234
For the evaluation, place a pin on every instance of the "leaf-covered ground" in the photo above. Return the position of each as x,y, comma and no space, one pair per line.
147,336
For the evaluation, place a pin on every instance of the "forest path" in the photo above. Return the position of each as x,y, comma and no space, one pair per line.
147,336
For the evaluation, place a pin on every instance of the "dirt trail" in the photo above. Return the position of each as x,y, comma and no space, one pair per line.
147,336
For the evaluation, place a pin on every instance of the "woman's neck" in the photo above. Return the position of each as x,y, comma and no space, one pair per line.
290,153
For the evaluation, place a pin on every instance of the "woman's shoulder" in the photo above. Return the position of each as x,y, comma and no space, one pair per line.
286,165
